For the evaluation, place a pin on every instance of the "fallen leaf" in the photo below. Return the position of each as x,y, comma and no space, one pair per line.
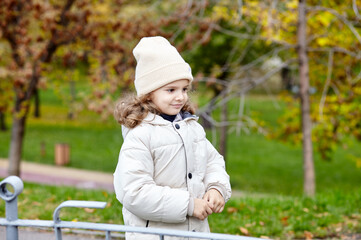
248,225
284,220
105,194
264,237
244,231
232,210
308,235
89,210
306,210
36,204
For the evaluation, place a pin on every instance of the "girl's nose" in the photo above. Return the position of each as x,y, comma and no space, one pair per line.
180,96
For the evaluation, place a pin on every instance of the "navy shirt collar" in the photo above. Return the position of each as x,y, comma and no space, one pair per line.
167,117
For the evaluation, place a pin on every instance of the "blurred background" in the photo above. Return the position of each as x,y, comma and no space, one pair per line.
277,86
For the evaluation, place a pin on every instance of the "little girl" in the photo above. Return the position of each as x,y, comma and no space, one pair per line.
168,174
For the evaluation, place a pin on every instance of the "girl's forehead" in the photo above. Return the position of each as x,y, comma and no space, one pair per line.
181,82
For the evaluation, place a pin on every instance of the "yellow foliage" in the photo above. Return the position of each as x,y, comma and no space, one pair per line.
293,4
325,18
102,8
225,13
323,41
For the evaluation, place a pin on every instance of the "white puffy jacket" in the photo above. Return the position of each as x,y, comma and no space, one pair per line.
162,165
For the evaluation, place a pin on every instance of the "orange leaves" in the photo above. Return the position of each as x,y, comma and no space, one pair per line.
244,231
232,210
284,220
89,210
308,235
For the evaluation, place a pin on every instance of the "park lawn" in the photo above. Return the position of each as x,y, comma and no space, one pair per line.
254,162
332,214
267,172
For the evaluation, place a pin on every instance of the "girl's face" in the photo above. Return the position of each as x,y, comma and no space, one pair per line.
171,98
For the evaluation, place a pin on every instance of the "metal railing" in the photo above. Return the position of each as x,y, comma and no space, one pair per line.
11,222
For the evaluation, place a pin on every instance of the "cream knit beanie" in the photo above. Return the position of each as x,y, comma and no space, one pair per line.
158,63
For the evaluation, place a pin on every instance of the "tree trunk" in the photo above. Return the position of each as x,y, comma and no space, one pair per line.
2,122
308,165
224,130
286,79
36,103
71,112
16,145
18,127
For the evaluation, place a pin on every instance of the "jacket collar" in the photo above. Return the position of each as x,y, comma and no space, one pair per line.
158,120
154,119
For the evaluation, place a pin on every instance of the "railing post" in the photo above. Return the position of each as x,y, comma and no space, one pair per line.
72,203
108,235
11,203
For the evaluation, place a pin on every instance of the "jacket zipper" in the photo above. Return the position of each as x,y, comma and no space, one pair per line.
186,158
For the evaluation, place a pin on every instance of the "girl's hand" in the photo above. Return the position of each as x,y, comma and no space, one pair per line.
201,209
215,200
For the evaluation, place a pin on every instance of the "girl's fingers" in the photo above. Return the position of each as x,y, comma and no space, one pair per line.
209,211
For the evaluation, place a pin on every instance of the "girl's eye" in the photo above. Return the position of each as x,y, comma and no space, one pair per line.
170,90
185,89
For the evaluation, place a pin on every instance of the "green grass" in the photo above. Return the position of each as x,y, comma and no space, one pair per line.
329,214
261,165
254,162
269,174
39,202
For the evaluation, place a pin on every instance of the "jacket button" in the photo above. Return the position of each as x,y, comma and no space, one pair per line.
177,126
190,175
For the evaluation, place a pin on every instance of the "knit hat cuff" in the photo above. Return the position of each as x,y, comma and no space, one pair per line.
159,77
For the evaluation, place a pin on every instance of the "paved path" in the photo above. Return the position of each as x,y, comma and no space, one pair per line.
66,176
57,175
39,234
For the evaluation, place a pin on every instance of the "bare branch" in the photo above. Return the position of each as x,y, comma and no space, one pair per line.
355,9
240,112
240,6
356,79
260,59
336,49
248,123
203,8
249,36
339,16
270,19
237,86
327,84
212,80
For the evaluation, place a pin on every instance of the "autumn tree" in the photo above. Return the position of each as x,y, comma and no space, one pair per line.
328,34
308,163
34,31
45,40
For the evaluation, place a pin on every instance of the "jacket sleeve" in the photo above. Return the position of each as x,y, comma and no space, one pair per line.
216,175
136,190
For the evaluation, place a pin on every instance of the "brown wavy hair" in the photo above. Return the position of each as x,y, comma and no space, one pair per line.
130,110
